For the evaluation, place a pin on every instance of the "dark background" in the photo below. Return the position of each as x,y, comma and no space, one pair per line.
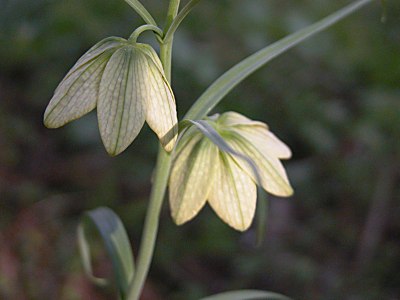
335,100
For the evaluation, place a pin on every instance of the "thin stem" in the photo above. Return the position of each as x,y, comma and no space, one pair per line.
179,18
138,31
166,47
159,187
149,234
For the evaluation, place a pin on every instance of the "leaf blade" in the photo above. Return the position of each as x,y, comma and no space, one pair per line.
116,242
247,295
225,83
142,11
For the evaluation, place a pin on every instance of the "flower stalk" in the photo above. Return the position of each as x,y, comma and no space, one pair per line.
159,187
134,36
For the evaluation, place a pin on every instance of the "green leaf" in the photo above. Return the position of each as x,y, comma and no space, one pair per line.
224,84
117,245
247,295
142,11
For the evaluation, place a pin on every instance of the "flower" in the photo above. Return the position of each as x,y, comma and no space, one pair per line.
201,172
126,82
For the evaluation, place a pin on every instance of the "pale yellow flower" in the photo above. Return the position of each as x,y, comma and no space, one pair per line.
201,172
126,82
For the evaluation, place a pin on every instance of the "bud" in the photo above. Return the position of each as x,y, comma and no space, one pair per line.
127,83
201,172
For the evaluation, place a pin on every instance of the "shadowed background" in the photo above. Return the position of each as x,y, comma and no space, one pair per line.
335,100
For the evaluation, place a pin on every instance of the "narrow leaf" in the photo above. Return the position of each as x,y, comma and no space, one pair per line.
142,11
247,295
179,18
224,84
116,243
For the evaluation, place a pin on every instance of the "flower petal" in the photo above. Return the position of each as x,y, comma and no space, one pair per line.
232,118
160,105
191,179
77,93
266,142
234,194
185,137
149,51
120,108
273,175
94,52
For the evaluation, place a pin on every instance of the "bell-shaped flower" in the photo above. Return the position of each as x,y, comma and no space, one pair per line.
202,172
127,84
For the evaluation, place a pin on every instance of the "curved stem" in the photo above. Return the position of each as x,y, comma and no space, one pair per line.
159,187
138,31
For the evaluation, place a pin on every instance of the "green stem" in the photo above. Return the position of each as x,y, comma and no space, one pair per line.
138,31
159,187
149,234
166,47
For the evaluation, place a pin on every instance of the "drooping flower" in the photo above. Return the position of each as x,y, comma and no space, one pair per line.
201,172
126,82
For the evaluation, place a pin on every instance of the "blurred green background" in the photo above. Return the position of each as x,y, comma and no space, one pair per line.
335,100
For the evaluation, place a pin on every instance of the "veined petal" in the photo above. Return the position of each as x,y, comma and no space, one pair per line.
233,195
77,93
231,118
191,179
120,108
149,51
265,141
187,136
160,105
110,43
273,175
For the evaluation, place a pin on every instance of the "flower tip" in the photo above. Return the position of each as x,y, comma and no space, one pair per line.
179,220
287,192
113,151
170,146
241,227
50,123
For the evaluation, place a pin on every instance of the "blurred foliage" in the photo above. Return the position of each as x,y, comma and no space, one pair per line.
334,100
